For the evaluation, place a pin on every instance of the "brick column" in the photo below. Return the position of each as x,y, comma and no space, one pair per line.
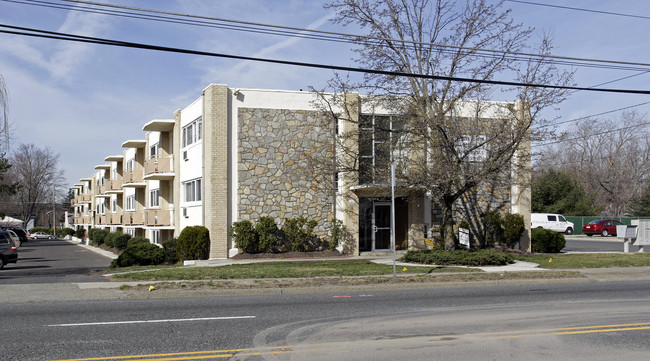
216,205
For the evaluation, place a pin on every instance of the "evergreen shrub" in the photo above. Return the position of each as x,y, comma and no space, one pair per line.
139,254
193,243
547,241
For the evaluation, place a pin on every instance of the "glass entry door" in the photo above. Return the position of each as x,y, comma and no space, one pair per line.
381,226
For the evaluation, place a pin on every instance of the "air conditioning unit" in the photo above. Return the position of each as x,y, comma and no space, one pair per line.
185,212
185,155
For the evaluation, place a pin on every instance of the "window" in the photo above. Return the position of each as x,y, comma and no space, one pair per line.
130,232
153,151
155,237
130,164
154,198
472,147
193,132
130,203
192,190
378,144
114,205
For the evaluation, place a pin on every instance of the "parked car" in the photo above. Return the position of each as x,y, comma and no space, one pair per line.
604,227
21,234
41,235
8,252
14,238
554,222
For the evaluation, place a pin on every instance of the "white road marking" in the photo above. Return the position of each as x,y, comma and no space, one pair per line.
150,321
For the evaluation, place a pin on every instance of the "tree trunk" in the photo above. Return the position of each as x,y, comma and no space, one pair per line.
448,224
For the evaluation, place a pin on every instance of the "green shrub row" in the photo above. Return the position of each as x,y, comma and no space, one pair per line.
193,243
295,235
483,257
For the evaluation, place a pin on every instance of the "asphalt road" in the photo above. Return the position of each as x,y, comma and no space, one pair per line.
573,321
53,261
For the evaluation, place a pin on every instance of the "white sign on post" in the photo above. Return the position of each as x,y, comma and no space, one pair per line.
463,237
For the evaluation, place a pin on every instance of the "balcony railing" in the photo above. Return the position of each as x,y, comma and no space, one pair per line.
116,218
133,218
115,184
82,220
85,198
131,176
158,165
157,217
104,219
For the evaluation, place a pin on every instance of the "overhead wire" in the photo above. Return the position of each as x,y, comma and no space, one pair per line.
87,39
254,27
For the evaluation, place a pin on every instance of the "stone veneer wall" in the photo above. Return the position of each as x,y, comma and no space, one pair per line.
278,155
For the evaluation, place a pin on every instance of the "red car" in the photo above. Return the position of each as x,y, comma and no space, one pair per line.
604,227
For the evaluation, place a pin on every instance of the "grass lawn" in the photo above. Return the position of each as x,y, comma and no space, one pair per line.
286,269
591,260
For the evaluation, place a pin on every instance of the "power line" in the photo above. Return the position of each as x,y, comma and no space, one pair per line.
580,9
594,115
196,20
94,40
592,134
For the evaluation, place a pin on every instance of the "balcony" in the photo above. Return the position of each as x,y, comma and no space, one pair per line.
157,217
159,168
84,198
115,218
133,179
133,218
82,220
104,219
114,187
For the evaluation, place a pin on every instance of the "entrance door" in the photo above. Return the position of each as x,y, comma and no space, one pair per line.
381,226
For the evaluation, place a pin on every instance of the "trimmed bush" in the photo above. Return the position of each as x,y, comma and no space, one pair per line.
267,234
121,240
169,249
110,238
243,233
98,235
513,227
482,257
80,233
68,232
138,239
193,243
139,254
299,232
547,241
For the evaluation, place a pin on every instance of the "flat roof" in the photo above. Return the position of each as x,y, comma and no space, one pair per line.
134,144
103,166
114,158
159,125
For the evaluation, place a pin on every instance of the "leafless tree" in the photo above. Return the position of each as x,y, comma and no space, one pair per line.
452,146
610,157
36,171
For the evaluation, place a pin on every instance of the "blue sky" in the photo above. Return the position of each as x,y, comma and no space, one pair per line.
84,100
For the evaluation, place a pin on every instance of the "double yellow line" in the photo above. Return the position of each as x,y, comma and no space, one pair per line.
572,330
215,354
196,355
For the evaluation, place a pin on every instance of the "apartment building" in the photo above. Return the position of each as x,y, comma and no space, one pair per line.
239,154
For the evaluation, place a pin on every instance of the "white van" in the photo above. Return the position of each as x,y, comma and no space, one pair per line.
554,222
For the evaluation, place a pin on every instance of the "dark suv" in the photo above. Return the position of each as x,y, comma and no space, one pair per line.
8,252
20,233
